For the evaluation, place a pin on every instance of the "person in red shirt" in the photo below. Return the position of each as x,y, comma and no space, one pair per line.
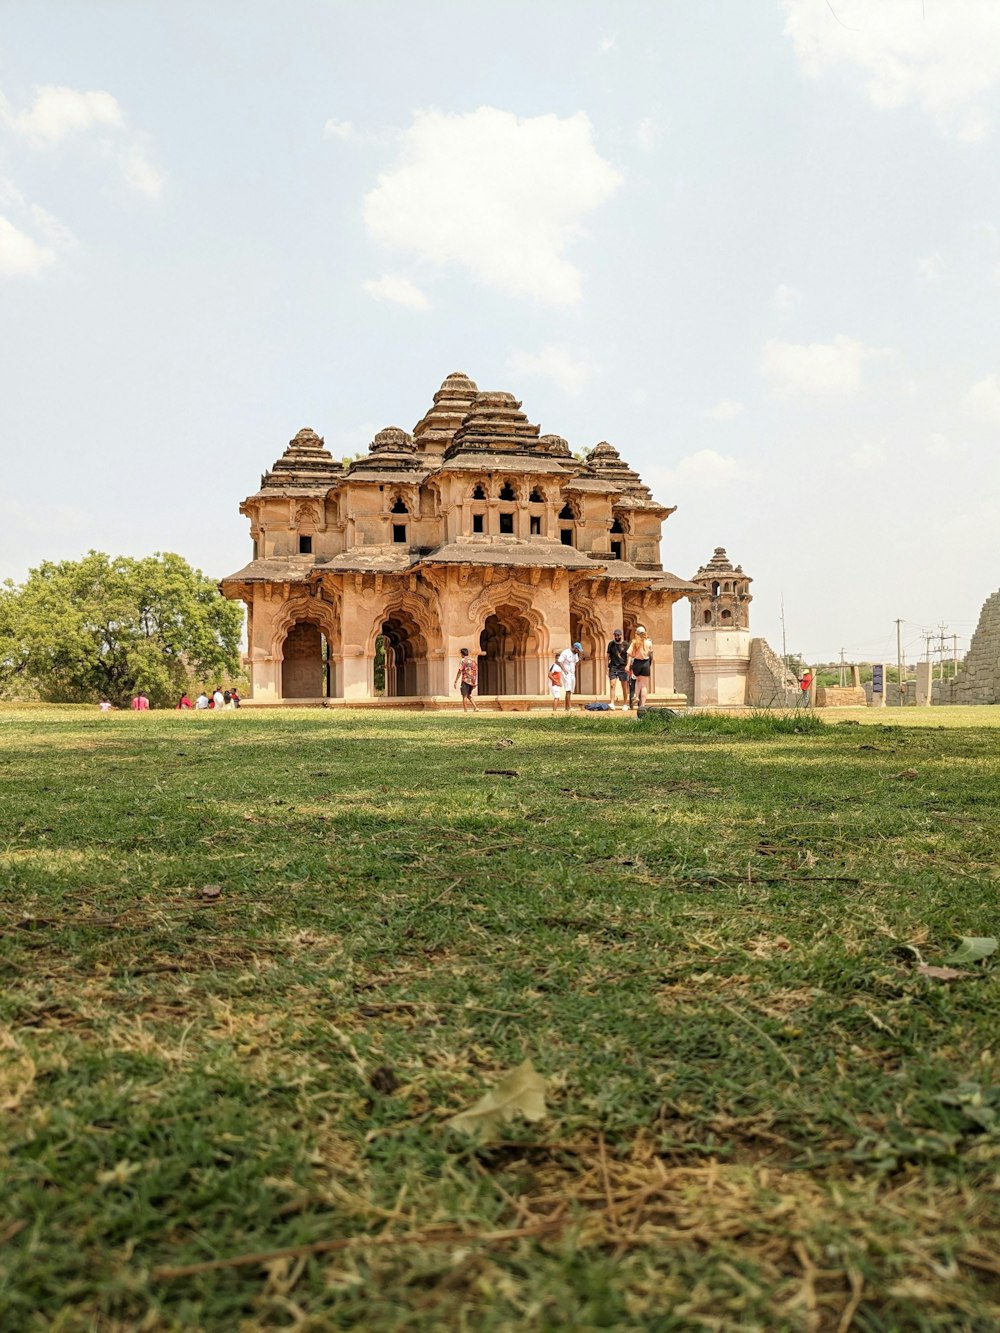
805,685
140,703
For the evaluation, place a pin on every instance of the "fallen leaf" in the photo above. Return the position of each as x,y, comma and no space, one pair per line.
520,1092
973,947
211,891
941,973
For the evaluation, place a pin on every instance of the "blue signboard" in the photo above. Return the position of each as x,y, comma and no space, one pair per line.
877,679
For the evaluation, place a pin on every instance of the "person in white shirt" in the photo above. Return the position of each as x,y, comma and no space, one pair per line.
567,660
201,701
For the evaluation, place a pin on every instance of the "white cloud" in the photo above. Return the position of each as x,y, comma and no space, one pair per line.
727,410
338,129
554,363
983,401
940,446
140,174
400,290
57,113
786,298
20,256
705,470
646,135
867,458
607,44
500,196
817,368
943,54
930,270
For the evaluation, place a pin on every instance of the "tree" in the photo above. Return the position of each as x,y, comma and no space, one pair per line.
101,627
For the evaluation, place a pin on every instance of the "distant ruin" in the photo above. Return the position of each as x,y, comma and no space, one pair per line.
978,678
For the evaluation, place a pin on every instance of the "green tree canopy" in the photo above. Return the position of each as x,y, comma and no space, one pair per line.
100,627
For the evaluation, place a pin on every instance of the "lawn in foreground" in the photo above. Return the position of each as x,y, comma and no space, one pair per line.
705,934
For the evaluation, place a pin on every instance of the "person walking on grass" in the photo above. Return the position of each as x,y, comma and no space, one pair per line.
555,680
640,663
467,678
567,660
618,668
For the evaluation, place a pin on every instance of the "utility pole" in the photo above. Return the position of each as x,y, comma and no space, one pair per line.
784,645
843,668
954,656
941,648
899,657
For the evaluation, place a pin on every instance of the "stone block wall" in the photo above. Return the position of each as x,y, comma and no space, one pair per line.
978,681
840,696
769,683
683,672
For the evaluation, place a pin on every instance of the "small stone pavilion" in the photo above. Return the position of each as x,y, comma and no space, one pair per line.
475,532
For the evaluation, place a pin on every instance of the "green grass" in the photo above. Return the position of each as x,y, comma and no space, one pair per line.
705,933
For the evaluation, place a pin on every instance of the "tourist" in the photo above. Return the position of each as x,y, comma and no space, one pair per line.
555,680
140,703
218,698
202,701
467,676
567,660
640,662
184,702
234,697
105,705
227,699
805,688
618,668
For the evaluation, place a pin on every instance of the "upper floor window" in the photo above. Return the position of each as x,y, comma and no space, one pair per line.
399,507
536,497
567,511
478,493
507,492
305,545
616,526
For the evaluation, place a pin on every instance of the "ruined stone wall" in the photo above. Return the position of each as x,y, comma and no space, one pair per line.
978,681
769,684
683,672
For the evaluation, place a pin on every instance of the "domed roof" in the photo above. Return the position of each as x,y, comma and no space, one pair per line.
495,421
392,439
436,429
305,464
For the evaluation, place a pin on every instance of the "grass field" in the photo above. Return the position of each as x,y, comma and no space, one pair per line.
252,964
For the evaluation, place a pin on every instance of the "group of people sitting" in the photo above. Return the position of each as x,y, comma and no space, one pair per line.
629,667
219,698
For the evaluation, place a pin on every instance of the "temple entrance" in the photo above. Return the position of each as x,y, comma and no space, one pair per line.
508,654
306,667
591,673
403,651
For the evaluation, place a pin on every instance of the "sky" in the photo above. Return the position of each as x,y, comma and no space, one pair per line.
754,246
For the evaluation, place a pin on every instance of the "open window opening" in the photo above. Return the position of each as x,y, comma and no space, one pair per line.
507,492
478,522
566,536
399,533
399,507
478,493
535,525
536,497
616,550
567,511
305,545
507,524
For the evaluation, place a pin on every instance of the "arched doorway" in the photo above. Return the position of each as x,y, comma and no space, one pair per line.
404,650
508,654
591,673
306,663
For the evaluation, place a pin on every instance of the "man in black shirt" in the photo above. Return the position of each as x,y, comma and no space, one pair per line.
617,662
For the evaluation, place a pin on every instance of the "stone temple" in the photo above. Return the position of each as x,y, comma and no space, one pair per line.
474,531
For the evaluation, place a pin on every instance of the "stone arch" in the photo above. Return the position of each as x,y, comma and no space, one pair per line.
508,490
587,629
513,640
478,492
307,642
410,628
